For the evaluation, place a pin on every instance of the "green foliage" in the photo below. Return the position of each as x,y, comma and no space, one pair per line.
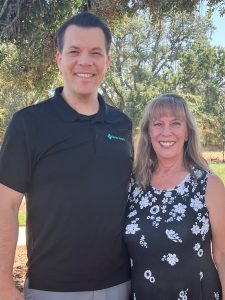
202,72
158,46
147,60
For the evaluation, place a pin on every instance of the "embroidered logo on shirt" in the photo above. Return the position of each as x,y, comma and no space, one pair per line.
114,137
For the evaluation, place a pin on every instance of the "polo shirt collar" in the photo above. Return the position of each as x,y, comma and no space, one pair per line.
68,114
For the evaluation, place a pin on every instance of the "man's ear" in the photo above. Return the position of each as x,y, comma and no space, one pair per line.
108,58
58,58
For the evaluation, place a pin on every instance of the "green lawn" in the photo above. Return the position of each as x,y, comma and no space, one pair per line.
22,217
219,169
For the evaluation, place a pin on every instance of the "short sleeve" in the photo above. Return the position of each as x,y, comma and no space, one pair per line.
15,155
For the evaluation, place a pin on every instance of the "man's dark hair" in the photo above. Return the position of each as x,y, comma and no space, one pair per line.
87,20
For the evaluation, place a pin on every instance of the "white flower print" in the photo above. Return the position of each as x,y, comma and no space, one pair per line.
148,275
143,242
171,259
168,194
197,246
154,199
180,208
131,183
154,209
164,212
195,229
132,213
131,262
198,173
183,295
156,222
182,190
177,212
132,228
163,208
196,204
172,235
137,191
205,226
216,295
144,202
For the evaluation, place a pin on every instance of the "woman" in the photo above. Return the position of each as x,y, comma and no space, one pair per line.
176,210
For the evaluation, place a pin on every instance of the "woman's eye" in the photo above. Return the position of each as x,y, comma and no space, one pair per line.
176,123
157,124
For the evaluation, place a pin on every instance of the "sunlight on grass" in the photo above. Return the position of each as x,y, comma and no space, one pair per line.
22,218
219,169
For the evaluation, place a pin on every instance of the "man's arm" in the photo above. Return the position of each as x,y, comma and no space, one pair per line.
10,201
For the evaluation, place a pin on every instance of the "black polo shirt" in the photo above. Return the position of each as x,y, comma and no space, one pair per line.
74,171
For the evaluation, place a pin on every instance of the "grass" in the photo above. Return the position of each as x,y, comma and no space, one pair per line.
22,218
215,159
22,214
219,169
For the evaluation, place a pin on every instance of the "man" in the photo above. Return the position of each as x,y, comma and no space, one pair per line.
71,156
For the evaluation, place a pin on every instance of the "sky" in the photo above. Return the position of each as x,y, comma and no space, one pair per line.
218,37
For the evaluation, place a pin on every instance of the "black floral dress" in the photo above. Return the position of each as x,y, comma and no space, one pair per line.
168,235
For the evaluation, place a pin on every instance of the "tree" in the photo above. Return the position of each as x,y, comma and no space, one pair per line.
202,72
31,25
145,59
158,46
221,119
18,90
15,14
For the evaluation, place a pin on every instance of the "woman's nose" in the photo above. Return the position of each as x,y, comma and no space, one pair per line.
166,130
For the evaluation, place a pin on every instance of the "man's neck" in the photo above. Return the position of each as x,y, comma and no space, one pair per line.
87,105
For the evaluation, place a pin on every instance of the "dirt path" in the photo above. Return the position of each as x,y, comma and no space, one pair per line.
19,268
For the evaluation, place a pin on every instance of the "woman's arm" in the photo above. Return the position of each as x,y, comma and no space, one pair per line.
215,201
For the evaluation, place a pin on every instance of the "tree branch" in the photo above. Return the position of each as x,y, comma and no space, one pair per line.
3,8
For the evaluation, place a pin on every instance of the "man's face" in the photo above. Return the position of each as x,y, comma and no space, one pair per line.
83,61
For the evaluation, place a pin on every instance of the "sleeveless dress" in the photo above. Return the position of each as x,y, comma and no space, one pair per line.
168,235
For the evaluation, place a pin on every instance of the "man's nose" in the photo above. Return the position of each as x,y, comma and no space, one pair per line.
85,59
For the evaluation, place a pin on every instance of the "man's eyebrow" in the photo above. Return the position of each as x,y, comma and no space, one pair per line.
97,48
73,47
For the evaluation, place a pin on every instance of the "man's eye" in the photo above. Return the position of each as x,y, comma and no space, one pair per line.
74,52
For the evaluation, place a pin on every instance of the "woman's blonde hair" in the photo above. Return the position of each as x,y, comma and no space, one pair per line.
146,160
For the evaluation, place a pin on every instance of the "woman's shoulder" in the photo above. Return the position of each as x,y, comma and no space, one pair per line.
215,194
215,182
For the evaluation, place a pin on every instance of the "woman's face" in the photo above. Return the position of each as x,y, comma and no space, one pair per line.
168,134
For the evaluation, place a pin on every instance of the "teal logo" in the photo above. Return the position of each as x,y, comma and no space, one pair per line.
114,137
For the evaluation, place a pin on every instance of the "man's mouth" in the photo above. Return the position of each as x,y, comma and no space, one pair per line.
84,75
